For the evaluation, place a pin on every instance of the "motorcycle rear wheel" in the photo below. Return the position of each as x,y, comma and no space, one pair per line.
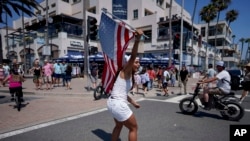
233,111
188,106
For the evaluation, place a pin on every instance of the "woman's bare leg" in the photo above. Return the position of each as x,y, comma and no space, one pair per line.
117,130
131,124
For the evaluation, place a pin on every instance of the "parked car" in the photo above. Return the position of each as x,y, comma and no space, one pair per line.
237,77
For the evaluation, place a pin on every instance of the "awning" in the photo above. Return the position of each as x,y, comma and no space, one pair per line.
74,54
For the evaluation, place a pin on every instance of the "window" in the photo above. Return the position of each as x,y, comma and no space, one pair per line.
92,10
203,31
162,33
66,1
33,21
135,14
53,5
149,34
51,14
38,12
76,1
44,9
147,12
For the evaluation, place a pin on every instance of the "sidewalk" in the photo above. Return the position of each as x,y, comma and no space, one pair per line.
47,105
79,88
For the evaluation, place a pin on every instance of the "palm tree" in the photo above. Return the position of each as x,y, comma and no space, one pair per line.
248,47
230,17
242,40
18,6
220,6
208,13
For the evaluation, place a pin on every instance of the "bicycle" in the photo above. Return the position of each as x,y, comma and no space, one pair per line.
99,92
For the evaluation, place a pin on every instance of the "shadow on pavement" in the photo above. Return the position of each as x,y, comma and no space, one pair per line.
103,134
201,114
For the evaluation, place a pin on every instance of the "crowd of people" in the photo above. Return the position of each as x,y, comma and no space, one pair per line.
45,77
149,77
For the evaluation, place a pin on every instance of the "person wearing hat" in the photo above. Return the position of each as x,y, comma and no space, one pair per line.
246,83
223,79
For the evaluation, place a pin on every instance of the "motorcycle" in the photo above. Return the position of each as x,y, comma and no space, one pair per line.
226,104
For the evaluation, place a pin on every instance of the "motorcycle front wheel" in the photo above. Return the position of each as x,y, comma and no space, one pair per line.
233,111
188,106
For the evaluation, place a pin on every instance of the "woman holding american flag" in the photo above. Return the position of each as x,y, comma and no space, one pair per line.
117,102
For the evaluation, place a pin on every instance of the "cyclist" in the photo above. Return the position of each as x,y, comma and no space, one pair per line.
223,84
15,83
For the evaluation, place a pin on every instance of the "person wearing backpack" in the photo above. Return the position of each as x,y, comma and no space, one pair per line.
223,87
166,78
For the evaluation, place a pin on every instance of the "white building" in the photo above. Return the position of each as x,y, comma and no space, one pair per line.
66,32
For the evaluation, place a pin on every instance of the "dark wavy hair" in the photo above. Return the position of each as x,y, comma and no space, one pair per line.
13,71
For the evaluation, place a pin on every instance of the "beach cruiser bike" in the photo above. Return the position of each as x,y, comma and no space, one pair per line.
225,104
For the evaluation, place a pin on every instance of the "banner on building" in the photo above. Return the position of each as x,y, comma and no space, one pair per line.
46,50
120,9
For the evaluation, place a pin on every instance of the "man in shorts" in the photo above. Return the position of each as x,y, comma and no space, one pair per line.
223,79
47,72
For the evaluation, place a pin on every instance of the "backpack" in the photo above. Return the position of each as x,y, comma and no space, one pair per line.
167,77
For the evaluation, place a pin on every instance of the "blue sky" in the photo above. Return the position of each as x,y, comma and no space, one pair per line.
240,27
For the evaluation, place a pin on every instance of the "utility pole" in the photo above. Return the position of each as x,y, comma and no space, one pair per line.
86,50
181,41
170,34
24,43
47,31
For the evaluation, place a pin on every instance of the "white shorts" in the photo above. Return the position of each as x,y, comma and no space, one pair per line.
119,109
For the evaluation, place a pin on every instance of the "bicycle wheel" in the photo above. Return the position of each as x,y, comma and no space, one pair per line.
98,93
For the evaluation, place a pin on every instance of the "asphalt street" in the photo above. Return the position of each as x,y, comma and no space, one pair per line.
159,119
74,115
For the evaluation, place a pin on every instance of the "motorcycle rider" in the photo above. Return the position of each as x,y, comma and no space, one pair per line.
222,87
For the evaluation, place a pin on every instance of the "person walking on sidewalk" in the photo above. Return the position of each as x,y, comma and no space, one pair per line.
144,80
47,72
117,102
166,78
210,74
68,76
37,75
63,67
246,83
184,78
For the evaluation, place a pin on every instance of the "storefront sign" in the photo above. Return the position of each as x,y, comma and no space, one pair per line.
76,43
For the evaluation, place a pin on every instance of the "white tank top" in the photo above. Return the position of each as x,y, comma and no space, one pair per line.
121,88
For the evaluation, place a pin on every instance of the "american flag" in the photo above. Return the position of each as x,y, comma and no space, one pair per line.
114,39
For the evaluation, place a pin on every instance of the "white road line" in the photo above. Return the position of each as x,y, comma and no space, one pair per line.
20,131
